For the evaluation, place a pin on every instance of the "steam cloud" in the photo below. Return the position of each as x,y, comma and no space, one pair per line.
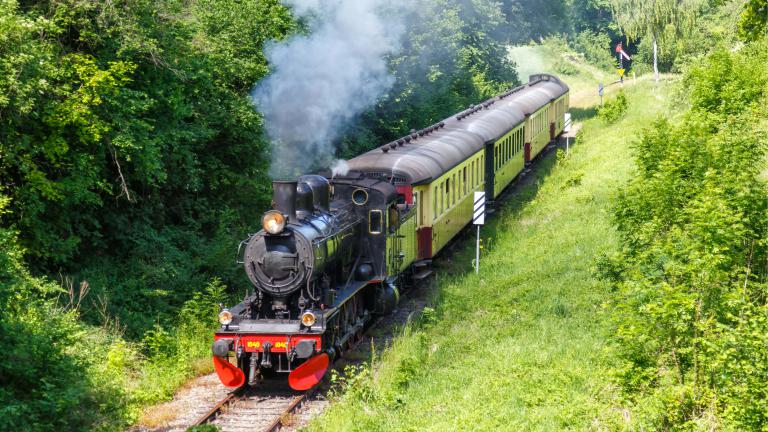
324,80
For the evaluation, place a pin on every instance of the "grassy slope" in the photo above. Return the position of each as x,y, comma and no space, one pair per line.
522,346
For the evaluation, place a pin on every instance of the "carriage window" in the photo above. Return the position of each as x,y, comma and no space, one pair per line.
434,203
503,152
453,194
465,180
375,221
442,197
446,195
514,145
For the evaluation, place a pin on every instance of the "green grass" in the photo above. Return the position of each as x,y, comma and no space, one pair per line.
523,345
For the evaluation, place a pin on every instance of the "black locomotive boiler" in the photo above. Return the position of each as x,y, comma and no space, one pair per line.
334,252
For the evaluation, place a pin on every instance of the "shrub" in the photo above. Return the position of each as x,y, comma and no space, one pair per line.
613,108
564,67
51,376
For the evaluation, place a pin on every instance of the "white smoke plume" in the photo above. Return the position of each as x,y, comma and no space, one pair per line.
323,80
340,168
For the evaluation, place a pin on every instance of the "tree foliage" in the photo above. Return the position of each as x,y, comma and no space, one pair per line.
129,147
656,19
638,18
451,58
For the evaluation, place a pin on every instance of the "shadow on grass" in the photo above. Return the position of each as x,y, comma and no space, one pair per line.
581,114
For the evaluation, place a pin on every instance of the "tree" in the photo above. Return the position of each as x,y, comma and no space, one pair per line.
655,18
534,19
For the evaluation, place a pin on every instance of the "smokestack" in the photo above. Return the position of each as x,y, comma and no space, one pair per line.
284,198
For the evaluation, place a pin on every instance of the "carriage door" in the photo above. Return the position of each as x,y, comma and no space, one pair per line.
420,204
394,240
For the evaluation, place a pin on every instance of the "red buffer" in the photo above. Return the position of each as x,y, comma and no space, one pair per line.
229,374
309,373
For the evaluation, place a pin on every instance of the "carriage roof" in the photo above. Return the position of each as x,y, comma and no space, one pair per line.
440,147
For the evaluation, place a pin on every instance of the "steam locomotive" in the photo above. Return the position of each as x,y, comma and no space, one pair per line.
336,251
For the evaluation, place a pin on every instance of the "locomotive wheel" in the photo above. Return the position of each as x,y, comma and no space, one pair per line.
350,314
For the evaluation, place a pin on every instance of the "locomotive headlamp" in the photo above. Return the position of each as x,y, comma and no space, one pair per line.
308,319
273,222
225,317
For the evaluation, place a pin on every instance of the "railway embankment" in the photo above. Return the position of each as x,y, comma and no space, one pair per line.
523,345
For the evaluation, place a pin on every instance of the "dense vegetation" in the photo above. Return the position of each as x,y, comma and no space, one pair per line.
691,280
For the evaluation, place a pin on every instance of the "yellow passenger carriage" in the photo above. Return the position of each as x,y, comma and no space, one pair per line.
437,170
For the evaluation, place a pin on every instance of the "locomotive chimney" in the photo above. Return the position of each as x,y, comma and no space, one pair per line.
284,198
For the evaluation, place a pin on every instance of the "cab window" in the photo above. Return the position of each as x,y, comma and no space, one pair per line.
375,222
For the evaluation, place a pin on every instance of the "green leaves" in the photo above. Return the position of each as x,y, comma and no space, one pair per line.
613,108
640,18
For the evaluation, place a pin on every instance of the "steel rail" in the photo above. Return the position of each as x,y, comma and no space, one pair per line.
216,410
296,404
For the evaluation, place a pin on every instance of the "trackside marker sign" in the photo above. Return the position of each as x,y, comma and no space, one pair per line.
478,217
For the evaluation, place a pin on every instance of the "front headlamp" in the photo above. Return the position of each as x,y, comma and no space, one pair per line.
273,222
308,319
225,317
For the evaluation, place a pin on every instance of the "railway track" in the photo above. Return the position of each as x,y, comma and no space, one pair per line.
272,406
268,408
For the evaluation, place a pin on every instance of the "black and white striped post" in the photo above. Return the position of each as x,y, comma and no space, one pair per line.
478,218
567,130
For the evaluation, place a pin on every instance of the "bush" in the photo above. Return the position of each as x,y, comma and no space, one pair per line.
613,108
51,376
61,374
564,67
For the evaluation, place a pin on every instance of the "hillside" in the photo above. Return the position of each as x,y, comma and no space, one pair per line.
524,344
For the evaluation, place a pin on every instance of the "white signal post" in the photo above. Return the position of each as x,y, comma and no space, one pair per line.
478,218
567,130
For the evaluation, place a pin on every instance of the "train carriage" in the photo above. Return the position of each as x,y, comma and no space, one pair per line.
437,169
